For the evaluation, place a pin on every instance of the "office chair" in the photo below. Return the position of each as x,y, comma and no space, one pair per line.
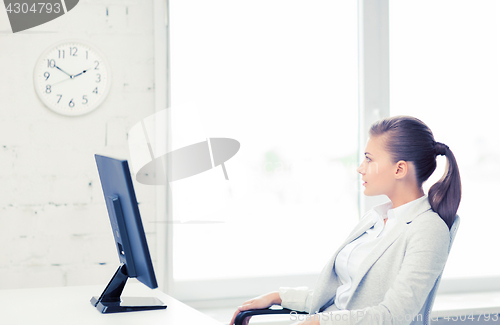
425,311
427,308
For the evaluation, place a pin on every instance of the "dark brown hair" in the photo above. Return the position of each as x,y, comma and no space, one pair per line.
408,138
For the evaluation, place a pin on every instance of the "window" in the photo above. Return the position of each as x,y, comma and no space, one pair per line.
280,77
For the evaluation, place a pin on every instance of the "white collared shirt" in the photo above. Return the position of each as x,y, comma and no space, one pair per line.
352,255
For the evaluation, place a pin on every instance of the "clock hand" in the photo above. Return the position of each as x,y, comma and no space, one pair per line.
76,75
71,77
62,81
64,71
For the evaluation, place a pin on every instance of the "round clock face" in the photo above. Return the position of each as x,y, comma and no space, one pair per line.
72,78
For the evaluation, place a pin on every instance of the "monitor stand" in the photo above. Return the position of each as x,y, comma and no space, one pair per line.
110,301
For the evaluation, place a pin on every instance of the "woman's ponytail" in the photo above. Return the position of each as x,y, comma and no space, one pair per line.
445,194
410,139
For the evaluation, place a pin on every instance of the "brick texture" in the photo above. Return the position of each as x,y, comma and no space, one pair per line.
54,228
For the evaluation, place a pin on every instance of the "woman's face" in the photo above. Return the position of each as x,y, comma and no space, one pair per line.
377,170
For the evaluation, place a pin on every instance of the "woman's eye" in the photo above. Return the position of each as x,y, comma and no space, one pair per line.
368,159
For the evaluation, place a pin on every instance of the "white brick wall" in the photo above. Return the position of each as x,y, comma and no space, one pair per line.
54,228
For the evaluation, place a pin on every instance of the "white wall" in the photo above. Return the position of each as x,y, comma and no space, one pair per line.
54,228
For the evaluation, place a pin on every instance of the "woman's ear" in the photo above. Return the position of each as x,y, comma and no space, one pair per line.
401,169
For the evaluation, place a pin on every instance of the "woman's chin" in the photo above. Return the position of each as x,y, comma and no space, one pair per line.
368,193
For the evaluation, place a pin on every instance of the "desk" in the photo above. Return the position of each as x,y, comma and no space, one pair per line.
71,305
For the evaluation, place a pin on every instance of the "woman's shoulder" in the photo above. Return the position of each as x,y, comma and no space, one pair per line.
430,218
429,226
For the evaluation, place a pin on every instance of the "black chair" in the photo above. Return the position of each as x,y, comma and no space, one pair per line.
271,310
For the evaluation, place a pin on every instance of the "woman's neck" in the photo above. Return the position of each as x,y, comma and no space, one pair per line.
405,197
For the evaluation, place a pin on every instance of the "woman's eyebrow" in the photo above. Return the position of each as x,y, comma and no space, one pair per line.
368,153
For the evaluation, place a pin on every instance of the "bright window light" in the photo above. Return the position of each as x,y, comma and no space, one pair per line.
280,77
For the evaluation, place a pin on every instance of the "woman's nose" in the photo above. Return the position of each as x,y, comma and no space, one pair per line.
360,169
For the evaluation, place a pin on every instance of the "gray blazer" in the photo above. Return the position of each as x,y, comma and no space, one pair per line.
393,282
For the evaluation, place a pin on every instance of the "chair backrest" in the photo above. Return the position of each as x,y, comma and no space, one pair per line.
427,308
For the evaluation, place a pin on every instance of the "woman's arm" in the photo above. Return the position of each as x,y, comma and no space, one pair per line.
296,298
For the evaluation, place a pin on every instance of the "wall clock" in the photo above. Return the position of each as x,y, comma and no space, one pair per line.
72,77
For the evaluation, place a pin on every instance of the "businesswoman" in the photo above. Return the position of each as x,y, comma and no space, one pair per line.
384,271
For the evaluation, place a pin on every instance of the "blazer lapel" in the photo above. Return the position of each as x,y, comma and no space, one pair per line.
387,241
327,283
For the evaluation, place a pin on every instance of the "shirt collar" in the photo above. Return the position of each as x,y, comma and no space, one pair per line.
384,210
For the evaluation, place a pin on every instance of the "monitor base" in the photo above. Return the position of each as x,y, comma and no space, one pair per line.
128,304
111,301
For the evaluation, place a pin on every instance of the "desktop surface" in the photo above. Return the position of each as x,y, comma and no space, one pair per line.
71,305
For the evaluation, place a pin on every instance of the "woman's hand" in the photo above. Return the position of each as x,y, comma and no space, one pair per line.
259,302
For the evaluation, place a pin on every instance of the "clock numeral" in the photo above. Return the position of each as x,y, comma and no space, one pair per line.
51,63
85,99
96,65
95,90
98,77
71,50
87,55
61,51
48,89
71,104
46,75
60,96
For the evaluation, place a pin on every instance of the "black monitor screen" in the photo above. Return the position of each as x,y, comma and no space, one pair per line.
128,232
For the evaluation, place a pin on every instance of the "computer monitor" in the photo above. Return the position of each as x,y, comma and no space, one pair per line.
130,240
